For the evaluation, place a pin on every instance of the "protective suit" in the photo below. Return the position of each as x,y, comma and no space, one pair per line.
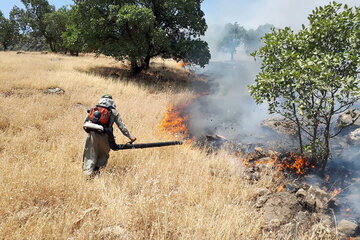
98,145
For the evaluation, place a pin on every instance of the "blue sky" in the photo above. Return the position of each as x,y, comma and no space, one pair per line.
7,5
249,13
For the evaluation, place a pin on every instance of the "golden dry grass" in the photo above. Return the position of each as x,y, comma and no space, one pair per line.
163,193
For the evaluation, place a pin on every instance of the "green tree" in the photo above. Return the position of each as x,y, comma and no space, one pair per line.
233,36
55,23
72,39
36,11
18,15
9,31
312,75
139,30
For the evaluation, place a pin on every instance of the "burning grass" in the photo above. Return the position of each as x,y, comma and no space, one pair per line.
174,121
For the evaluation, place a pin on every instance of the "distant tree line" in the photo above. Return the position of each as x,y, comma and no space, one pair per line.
235,35
136,30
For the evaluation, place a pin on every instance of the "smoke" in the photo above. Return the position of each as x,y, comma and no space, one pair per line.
349,159
228,109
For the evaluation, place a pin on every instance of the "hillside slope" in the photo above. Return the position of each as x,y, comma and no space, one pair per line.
163,193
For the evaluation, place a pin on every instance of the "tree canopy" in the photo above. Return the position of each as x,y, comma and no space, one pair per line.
312,75
72,39
56,23
141,30
34,16
9,31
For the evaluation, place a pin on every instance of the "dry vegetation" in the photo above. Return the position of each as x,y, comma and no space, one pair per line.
163,193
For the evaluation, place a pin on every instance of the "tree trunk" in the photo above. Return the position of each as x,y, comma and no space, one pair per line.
146,64
313,141
326,154
135,69
5,47
298,129
52,46
74,53
300,137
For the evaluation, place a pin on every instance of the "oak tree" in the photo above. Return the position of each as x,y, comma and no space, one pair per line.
138,30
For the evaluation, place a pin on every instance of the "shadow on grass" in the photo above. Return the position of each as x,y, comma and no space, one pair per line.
157,78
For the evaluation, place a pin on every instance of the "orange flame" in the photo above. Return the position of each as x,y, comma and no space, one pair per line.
276,176
297,165
265,161
245,161
335,192
300,163
183,64
175,119
174,122
281,188
294,163
327,178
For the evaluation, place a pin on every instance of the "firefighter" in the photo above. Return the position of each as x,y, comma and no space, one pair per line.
98,144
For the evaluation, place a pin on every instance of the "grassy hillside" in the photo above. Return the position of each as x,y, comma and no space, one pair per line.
163,193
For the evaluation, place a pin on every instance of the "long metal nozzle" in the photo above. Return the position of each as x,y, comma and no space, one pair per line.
148,145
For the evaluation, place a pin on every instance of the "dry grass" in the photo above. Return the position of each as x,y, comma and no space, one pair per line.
164,193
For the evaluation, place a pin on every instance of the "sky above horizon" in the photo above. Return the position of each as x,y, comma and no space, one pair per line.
249,13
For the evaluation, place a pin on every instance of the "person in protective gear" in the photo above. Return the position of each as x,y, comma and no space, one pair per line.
98,145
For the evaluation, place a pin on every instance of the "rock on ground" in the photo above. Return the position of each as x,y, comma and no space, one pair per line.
348,117
116,232
349,228
280,125
280,208
55,90
354,137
